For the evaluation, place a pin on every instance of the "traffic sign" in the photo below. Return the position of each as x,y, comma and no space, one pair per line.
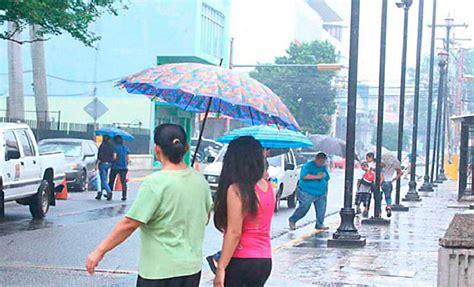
96,108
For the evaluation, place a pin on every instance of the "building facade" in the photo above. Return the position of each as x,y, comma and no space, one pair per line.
149,30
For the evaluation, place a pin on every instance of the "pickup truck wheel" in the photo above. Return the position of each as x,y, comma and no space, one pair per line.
291,200
83,182
39,204
278,199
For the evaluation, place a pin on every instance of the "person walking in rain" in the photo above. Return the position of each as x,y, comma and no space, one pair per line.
172,210
120,165
312,190
390,166
105,158
244,207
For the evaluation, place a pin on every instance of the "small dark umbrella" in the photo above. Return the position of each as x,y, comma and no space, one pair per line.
328,144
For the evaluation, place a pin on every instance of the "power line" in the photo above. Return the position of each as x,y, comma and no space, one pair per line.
72,80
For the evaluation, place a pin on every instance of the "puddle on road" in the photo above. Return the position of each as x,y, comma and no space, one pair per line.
14,224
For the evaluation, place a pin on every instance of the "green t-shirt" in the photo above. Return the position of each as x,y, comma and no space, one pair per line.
173,207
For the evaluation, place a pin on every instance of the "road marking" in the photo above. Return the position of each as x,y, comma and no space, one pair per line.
68,269
137,179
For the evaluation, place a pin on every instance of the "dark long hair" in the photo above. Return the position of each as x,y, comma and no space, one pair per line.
243,165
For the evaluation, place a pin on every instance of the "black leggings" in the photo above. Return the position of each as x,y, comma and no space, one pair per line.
248,272
123,180
183,281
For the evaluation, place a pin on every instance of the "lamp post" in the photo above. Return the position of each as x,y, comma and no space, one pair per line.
412,194
377,219
443,59
405,4
347,234
449,23
427,185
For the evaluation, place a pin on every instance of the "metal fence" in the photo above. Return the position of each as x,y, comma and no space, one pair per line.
48,130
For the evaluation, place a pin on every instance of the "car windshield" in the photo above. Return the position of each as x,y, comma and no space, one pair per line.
220,157
274,161
69,149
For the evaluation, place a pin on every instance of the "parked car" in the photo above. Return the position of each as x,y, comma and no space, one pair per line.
207,148
28,175
282,170
81,155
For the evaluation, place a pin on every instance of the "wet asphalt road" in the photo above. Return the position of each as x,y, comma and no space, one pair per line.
52,252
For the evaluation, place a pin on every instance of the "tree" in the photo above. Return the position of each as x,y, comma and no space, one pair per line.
306,91
54,17
44,17
390,137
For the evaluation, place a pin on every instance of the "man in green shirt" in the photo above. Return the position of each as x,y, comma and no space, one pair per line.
172,210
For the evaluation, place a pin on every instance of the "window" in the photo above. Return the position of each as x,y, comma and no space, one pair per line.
89,149
212,31
70,149
11,146
25,143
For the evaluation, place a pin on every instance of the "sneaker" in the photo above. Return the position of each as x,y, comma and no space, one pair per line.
124,198
324,227
389,211
292,225
212,263
109,196
99,196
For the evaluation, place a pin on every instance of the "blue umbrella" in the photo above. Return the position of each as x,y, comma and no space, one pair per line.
115,132
269,137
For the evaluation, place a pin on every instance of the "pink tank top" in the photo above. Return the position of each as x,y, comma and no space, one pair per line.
255,238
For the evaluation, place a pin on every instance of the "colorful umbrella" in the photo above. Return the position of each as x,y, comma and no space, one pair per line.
203,88
269,137
115,132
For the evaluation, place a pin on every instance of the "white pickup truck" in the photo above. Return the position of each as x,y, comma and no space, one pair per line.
26,176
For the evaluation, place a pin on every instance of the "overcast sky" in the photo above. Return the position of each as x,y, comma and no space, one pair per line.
369,40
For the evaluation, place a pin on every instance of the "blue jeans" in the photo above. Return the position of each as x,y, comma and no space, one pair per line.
305,200
103,172
387,188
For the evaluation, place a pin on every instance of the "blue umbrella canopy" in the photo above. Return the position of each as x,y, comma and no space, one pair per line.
269,137
115,132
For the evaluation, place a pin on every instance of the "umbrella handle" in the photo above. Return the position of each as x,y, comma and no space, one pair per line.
201,131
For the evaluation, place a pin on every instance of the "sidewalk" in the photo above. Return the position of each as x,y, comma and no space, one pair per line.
405,253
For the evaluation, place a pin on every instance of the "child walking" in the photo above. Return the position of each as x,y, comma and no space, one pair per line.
364,189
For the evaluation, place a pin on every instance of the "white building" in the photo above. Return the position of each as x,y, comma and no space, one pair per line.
264,29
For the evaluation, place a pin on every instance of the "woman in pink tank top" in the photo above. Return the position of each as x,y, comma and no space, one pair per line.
243,211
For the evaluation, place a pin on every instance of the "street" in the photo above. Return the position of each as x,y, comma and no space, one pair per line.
52,252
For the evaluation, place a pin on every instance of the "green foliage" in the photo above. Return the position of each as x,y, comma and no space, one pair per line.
54,17
306,91
390,137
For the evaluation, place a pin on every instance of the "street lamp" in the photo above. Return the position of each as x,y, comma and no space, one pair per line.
442,62
427,185
412,194
377,219
444,110
347,234
405,4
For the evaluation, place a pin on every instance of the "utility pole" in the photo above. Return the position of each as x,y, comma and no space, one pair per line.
405,4
347,234
16,100
449,25
412,194
39,78
427,184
